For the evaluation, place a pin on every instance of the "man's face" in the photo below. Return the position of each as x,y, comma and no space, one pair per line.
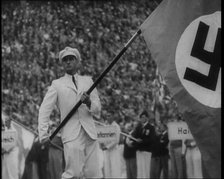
128,127
143,119
110,120
71,64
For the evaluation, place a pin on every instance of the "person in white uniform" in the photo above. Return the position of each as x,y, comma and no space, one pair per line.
79,134
193,159
112,157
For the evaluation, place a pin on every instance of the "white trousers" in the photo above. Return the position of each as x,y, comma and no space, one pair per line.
81,157
112,163
10,162
143,164
101,162
123,163
193,163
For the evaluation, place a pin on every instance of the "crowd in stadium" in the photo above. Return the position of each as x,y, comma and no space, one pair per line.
34,33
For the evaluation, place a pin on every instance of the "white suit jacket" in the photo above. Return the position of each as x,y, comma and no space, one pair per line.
64,94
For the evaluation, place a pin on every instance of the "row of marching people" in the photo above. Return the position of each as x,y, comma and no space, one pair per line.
151,145
145,153
150,154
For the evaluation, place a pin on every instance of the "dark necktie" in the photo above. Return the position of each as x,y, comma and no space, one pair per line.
73,79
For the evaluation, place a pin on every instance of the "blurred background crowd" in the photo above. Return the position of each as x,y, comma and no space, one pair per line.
33,32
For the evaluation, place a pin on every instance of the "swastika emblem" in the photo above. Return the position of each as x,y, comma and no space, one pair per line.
198,59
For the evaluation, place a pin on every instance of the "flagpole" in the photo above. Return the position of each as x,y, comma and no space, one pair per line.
116,58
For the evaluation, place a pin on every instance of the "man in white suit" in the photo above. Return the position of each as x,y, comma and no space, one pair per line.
79,134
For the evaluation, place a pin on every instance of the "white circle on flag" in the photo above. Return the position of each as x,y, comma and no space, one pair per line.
184,60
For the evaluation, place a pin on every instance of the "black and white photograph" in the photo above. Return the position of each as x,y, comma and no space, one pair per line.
103,89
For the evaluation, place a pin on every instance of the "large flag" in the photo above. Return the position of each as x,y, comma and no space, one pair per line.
184,38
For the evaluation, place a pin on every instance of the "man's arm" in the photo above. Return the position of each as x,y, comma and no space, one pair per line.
164,140
136,133
45,110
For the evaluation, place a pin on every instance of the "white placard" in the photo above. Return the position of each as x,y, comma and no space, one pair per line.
9,139
178,131
106,134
